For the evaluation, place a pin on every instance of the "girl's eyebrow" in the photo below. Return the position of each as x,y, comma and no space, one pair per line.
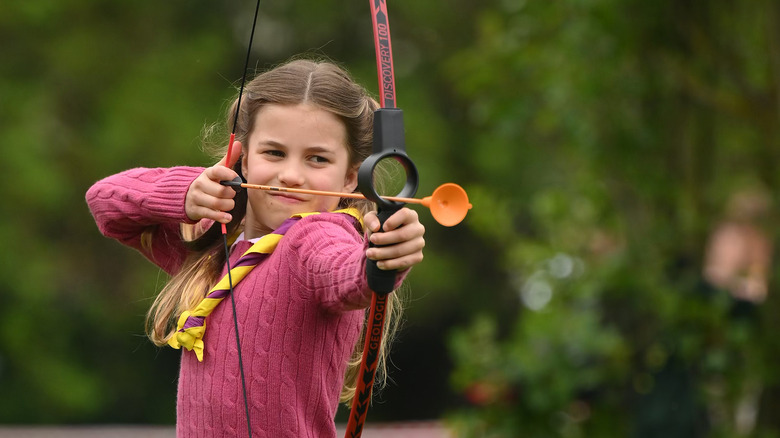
273,143
316,149
277,144
319,150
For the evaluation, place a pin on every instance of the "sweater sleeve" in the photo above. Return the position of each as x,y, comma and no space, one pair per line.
328,257
138,201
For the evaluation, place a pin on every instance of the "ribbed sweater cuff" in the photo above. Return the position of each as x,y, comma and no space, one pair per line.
166,200
156,195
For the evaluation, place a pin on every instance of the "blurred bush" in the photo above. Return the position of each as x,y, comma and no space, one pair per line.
624,129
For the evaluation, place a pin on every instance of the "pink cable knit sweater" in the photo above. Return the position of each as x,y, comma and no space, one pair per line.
300,313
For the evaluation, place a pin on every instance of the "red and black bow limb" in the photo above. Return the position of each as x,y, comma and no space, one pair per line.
388,144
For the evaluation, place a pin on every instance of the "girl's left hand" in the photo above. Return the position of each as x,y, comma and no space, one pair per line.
401,240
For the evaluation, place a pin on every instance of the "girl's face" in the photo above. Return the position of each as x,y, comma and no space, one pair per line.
297,146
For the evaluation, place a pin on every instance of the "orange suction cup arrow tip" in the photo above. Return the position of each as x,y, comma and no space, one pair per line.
449,204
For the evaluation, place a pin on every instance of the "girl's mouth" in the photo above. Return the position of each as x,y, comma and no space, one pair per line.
287,198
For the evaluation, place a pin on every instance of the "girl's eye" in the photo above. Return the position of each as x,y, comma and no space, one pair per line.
319,159
274,153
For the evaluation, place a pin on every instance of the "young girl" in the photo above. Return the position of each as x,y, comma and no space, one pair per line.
301,310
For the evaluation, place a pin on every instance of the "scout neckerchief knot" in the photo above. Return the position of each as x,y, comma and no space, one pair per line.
192,323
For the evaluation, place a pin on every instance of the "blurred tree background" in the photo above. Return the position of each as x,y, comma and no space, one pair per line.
603,143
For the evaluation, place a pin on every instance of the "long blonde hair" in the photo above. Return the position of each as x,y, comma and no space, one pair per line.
318,83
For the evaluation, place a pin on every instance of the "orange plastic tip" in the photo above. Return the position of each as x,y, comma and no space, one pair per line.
449,204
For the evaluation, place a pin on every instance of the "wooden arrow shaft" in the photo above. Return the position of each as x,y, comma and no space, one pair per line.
327,193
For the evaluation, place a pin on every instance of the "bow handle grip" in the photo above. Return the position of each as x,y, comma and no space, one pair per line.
381,281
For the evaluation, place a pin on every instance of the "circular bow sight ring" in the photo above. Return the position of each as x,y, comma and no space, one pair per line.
366,179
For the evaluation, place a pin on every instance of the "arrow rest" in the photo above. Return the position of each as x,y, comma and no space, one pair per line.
234,184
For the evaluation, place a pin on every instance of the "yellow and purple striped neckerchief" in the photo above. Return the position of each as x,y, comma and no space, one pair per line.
191,326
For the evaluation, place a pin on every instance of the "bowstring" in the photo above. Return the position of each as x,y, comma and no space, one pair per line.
224,228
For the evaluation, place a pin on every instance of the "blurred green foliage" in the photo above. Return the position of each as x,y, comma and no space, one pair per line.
599,141
624,127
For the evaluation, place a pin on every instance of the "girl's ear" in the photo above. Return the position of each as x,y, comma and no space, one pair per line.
239,167
244,165
351,180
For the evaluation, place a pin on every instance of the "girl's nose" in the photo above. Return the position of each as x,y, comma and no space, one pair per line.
291,176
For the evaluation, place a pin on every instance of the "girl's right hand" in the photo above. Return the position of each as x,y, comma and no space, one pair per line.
207,198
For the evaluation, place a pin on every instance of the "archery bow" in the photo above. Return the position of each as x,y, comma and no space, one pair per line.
449,207
388,143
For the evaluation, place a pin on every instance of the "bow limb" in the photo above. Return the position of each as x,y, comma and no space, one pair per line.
388,143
